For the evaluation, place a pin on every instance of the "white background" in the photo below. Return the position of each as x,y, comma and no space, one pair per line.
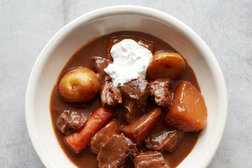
26,26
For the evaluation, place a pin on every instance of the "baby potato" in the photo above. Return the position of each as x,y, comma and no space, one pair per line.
165,65
79,85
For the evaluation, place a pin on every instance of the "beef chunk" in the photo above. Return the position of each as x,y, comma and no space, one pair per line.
114,153
69,121
150,159
137,90
165,140
102,137
100,64
110,95
127,163
159,89
135,95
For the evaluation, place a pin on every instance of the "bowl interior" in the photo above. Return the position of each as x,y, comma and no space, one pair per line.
66,42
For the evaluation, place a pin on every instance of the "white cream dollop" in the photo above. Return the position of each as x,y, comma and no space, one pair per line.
130,61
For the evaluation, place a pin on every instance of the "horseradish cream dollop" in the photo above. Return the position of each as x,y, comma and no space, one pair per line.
130,61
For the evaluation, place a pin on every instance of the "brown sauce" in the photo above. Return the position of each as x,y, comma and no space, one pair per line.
82,57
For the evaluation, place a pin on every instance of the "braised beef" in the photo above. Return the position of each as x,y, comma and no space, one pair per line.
160,91
114,153
100,64
135,95
102,137
110,95
165,140
150,159
137,90
123,166
70,121
127,163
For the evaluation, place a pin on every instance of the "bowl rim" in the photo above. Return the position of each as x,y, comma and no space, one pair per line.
113,10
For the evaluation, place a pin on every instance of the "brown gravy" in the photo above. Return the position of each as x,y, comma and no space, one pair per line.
82,57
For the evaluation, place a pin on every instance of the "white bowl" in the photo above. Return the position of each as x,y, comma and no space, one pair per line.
118,18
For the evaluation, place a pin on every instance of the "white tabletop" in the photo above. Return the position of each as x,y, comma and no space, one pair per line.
26,26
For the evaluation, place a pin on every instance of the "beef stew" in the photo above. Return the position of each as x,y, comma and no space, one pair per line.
138,108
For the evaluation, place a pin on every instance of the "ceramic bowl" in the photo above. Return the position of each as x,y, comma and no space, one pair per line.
120,18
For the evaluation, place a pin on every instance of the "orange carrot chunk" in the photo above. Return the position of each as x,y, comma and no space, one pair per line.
141,128
188,112
79,140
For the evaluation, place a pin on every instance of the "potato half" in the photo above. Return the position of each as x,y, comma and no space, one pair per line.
165,65
79,85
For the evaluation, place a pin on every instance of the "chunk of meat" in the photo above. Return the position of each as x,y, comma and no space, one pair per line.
127,163
116,150
135,95
102,137
137,90
165,140
100,64
110,95
188,112
160,90
141,128
150,159
70,121
147,44
78,140
133,110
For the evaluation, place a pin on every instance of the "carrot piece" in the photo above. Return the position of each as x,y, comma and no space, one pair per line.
188,112
79,140
139,129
